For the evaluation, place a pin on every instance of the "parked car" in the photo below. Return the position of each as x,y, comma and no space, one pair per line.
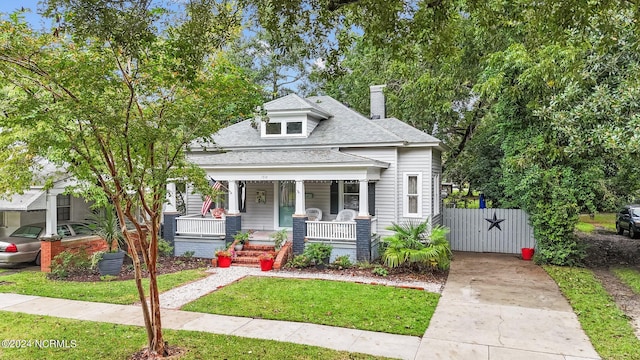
628,218
23,245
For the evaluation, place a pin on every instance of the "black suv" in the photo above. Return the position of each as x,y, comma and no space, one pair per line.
629,219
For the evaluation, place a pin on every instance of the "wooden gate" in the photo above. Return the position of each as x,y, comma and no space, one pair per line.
488,230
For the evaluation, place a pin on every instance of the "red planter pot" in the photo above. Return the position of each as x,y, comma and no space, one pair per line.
224,261
266,265
527,253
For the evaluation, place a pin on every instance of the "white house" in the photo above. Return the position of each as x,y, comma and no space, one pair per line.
302,165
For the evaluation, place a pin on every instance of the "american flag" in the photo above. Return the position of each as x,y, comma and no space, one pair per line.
207,200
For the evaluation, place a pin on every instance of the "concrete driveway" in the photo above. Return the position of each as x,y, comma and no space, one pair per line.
497,306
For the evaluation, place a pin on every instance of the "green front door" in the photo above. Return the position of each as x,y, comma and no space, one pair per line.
286,203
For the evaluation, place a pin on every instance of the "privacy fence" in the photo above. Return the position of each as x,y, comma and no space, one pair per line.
488,230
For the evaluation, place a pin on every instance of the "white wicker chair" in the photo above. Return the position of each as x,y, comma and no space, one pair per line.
346,215
314,214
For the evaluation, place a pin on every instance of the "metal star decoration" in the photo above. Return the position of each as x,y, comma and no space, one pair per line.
495,222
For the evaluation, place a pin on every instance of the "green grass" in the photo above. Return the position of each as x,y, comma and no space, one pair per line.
629,276
92,340
603,220
350,305
607,327
114,292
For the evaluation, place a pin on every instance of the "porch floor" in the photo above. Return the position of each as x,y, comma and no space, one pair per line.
265,235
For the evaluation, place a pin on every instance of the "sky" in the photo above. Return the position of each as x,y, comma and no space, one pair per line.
9,6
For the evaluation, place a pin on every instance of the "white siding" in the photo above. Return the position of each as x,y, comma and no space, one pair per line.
258,216
415,160
387,197
319,196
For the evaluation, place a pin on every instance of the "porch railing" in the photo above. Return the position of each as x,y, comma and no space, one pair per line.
201,226
331,230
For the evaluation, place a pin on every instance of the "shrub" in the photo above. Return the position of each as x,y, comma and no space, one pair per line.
164,248
343,262
380,271
317,253
417,245
299,261
68,262
188,254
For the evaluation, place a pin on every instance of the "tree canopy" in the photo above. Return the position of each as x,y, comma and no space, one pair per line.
115,93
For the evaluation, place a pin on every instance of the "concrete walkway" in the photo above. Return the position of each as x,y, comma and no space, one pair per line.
493,307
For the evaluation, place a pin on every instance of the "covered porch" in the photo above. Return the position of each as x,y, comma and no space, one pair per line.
269,198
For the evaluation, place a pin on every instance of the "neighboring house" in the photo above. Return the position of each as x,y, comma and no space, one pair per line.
314,153
39,205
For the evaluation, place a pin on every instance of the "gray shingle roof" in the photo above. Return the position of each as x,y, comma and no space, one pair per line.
345,128
256,158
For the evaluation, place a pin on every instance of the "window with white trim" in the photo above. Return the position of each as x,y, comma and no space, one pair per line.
436,195
412,195
63,203
351,195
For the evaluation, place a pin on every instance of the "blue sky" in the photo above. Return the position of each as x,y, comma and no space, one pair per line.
9,6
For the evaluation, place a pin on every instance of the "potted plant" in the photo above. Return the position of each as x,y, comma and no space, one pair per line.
318,254
266,260
224,258
108,262
279,237
240,238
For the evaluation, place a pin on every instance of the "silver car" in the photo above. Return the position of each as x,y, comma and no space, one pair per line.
23,245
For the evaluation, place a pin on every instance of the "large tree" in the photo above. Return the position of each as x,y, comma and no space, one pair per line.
115,93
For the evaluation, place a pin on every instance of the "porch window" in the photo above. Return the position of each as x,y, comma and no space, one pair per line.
412,195
63,203
351,195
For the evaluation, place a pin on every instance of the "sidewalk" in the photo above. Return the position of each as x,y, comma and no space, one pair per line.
493,307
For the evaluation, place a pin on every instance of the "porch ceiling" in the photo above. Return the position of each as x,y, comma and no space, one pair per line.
322,164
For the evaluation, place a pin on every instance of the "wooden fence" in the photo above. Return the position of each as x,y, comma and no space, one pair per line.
488,230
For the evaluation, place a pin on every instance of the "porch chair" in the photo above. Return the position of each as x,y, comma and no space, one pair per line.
314,214
346,215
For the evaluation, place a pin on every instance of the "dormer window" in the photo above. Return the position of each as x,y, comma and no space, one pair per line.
294,127
290,116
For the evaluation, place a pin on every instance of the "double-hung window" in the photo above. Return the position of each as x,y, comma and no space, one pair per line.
412,195
63,203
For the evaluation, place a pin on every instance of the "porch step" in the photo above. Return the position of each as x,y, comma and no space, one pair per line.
249,255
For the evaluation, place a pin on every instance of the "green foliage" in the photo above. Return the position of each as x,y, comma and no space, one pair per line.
607,326
317,253
299,261
105,224
279,238
188,254
342,262
68,262
380,271
241,237
397,310
164,248
416,244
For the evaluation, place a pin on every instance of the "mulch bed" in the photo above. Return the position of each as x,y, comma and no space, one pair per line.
166,265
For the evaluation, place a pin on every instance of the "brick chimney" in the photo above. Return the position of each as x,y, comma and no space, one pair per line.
378,107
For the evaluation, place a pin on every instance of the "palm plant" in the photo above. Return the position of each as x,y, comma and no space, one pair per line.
417,244
107,227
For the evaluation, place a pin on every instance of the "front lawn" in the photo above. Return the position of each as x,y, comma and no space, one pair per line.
74,340
629,276
606,325
114,292
605,221
350,305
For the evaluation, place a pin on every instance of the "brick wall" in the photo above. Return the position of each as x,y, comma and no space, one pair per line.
49,249
284,255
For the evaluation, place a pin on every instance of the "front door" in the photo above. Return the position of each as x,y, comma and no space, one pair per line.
286,203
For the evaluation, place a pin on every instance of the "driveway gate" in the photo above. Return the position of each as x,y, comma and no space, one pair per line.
488,230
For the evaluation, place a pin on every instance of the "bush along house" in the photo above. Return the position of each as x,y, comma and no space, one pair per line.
315,167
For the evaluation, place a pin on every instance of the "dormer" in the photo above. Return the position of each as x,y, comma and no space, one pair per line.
291,117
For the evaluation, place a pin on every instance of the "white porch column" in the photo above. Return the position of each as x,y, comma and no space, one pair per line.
363,206
170,206
300,198
233,197
51,215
